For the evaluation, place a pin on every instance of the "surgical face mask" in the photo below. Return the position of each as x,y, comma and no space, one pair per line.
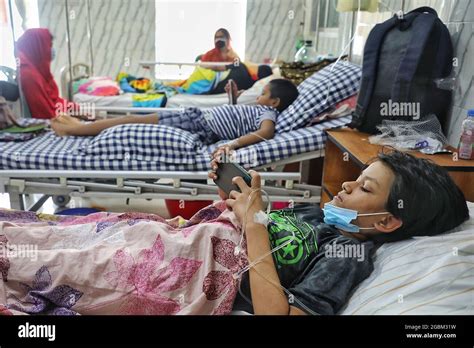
220,43
53,53
341,218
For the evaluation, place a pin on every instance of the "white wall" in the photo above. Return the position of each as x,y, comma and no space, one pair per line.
123,33
272,29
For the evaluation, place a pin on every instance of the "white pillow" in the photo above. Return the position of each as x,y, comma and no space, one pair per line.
257,87
317,93
421,276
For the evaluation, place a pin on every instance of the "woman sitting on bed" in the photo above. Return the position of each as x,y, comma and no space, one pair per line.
244,75
136,263
222,51
35,50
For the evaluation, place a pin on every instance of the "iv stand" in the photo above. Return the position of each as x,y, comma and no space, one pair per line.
89,35
68,39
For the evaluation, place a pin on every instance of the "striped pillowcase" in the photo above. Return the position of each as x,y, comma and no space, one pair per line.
420,276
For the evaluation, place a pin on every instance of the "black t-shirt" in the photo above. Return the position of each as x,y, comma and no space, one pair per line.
319,267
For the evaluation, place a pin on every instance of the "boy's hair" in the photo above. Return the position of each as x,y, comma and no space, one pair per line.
423,196
285,90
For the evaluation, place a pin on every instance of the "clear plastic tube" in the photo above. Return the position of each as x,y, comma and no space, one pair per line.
238,249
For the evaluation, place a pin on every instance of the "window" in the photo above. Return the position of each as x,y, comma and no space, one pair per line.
29,19
324,25
193,24
328,16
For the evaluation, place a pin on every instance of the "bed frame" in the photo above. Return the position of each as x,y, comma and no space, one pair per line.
179,185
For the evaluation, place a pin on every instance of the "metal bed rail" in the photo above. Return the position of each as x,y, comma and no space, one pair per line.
146,64
177,185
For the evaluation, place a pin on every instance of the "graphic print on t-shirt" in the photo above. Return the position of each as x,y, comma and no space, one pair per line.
282,225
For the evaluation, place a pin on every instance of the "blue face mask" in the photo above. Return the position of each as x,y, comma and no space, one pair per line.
341,218
53,53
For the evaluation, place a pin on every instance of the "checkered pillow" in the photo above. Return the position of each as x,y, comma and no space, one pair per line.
144,142
320,91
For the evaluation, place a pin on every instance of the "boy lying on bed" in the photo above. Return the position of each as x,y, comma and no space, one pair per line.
247,124
396,197
135,263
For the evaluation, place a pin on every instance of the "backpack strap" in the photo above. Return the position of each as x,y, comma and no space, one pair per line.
423,25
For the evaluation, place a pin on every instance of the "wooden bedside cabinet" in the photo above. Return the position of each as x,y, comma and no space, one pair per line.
347,151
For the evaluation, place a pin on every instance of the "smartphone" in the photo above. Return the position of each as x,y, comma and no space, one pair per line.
226,171
232,97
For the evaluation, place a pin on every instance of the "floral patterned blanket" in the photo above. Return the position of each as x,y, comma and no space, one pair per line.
109,263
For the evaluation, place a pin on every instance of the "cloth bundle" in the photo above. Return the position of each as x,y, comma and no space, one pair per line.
132,84
341,109
12,129
98,86
7,119
297,72
149,94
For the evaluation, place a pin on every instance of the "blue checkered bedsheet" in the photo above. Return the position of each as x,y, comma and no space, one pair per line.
55,153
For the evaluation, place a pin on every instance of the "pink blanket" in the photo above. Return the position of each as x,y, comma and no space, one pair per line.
129,263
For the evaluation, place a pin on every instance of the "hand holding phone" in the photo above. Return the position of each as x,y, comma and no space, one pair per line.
225,172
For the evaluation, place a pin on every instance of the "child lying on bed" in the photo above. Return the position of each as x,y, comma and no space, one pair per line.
247,124
396,197
136,263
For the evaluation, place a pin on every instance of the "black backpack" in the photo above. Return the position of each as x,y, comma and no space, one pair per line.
403,58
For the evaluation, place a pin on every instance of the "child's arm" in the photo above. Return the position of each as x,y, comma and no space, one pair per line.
266,132
215,67
265,287
235,91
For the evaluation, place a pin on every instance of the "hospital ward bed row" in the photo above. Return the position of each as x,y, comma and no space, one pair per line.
95,166
408,277
125,102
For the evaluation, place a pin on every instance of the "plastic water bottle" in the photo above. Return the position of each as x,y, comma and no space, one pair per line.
466,144
300,41
307,53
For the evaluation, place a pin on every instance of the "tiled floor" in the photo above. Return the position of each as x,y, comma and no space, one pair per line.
111,205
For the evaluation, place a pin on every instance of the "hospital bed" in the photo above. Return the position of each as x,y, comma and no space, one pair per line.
138,162
51,165
418,276
123,102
